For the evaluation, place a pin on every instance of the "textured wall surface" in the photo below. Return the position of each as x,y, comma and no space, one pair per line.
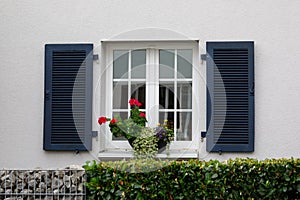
26,26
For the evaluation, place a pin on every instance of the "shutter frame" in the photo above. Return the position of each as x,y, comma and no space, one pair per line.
67,138
238,145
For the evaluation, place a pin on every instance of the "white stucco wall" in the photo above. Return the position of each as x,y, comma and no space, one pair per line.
26,26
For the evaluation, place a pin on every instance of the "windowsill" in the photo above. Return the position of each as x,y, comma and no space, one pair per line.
150,40
119,154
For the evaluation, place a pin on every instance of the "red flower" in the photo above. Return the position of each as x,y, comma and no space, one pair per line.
143,114
132,102
135,102
113,120
102,120
138,103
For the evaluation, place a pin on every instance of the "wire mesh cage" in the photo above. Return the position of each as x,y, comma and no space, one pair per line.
67,184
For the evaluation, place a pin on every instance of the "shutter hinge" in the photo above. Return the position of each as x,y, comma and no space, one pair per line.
203,57
94,133
95,57
220,151
203,135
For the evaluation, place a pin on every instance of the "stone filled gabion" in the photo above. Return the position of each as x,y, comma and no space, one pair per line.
67,184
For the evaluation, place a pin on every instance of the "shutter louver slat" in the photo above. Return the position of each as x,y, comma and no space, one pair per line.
72,62
230,75
229,64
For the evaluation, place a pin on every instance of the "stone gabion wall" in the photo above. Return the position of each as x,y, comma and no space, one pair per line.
42,184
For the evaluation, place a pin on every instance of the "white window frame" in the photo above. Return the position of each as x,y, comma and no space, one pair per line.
152,48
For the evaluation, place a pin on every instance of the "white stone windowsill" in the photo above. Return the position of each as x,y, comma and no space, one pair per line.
128,154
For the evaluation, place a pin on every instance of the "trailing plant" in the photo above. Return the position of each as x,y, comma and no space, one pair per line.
194,179
144,140
145,146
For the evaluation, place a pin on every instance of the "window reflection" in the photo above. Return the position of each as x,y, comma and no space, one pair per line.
184,126
179,119
184,95
120,64
120,95
138,91
166,95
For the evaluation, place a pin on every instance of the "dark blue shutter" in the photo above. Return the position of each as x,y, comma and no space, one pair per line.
230,96
68,97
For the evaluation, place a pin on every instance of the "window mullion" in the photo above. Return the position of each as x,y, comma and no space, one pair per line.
129,80
152,87
175,95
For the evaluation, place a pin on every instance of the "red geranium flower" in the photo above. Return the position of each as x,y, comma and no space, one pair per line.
143,114
113,120
135,102
138,103
132,102
102,120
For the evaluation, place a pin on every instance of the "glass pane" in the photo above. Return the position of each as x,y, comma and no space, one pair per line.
167,116
120,64
166,96
184,95
138,64
184,63
120,95
122,115
166,63
184,126
138,91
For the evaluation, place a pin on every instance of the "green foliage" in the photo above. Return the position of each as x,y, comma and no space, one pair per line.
145,146
135,115
193,179
133,129
127,128
145,139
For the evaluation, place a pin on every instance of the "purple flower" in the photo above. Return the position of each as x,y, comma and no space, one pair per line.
160,132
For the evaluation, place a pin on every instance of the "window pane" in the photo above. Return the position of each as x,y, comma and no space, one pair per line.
184,95
184,126
167,116
166,95
166,63
184,63
123,115
138,91
120,95
120,64
138,64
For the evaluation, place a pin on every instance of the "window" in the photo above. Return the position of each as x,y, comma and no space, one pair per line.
161,76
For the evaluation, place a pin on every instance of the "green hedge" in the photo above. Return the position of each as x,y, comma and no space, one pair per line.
193,179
